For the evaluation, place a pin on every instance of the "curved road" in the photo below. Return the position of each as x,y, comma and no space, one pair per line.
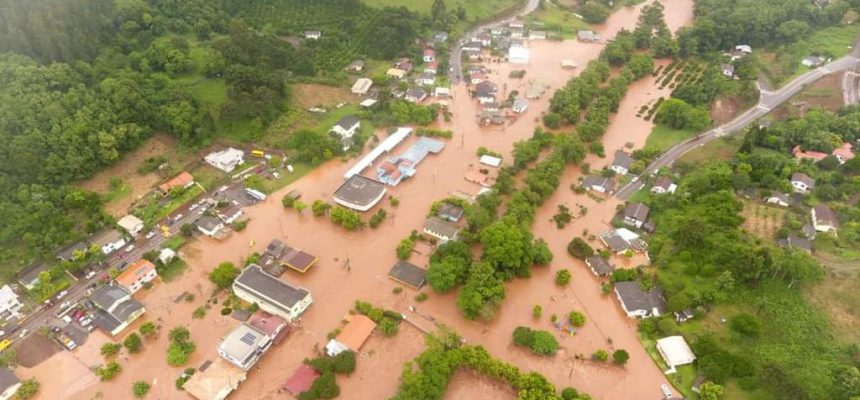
768,101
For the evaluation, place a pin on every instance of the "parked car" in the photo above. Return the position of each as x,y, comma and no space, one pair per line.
150,234
67,319
86,321
90,274
129,248
62,294
24,332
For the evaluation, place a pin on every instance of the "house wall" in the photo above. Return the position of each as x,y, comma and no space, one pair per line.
290,315
619,169
136,285
113,246
630,314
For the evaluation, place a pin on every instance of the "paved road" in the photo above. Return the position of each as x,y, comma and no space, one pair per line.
767,102
455,74
77,291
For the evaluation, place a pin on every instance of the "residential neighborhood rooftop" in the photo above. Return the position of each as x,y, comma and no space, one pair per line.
408,274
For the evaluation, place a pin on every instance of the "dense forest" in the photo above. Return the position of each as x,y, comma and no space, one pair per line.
84,81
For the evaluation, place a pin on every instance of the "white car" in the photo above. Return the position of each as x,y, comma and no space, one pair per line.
67,319
129,248
62,294
86,321
91,274
23,333
150,235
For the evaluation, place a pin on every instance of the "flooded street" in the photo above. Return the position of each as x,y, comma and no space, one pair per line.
371,253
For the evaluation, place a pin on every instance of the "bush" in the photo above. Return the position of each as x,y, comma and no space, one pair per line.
421,297
29,388
620,357
288,201
544,343
537,310
140,389
404,249
523,336
226,311
324,387
377,218
108,371
199,313
344,363
562,277
397,290
600,355
388,327
133,343
320,208
110,349
147,328
746,325
579,248
576,318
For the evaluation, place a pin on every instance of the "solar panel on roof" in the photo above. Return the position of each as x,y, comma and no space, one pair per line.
249,338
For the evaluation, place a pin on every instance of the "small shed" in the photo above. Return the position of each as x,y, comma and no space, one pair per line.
675,351
353,336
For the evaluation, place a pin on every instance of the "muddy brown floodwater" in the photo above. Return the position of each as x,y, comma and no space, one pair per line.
371,254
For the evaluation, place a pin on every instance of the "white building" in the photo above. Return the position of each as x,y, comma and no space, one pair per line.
675,351
441,229
638,303
243,346
663,185
225,160
271,294
133,225
136,275
361,86
347,126
9,303
802,183
109,240
166,255
780,199
487,159
518,55
520,106
210,226
824,219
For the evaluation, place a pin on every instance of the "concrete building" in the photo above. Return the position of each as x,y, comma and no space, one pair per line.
598,184
824,219
520,106
209,226
408,274
441,229
10,306
359,193
115,309
244,346
215,380
636,214
182,181
226,160
353,336
109,240
675,351
271,294
599,266
639,303
347,126
663,185
588,36
361,86
802,183
780,199
519,55
621,163
136,275
133,225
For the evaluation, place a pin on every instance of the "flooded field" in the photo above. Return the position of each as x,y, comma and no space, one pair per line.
371,253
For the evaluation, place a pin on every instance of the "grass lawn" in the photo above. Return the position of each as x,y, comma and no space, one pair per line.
836,249
783,64
684,376
116,193
663,137
556,20
299,170
173,270
475,10
721,149
153,210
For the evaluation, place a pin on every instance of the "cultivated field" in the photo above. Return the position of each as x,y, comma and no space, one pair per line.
762,220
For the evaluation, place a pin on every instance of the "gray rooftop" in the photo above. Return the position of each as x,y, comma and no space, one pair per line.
663,182
593,180
347,122
796,242
281,294
106,296
68,252
637,211
359,190
599,265
622,160
824,214
635,297
106,236
208,223
450,212
441,226
615,242
30,274
416,93
409,274
801,177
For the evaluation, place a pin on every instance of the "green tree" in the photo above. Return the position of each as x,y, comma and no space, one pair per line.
576,319
147,329
133,343
110,349
600,355
404,249
620,357
344,362
445,274
544,343
187,230
320,208
108,371
580,248
224,274
562,277
300,206
523,336
288,201
537,311
594,12
710,391
140,389
482,292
